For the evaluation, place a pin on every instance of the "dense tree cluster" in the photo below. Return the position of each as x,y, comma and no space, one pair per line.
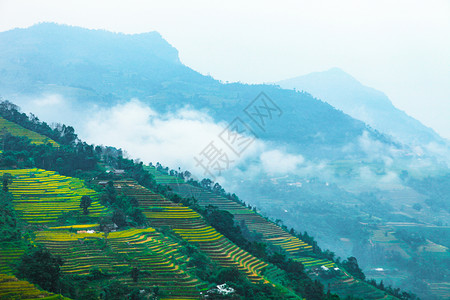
351,265
41,267
18,152
9,230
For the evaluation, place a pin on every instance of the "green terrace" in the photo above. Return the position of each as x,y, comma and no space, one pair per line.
163,178
10,253
346,285
311,262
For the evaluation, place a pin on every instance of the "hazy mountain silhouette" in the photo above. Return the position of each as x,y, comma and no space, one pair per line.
363,103
103,68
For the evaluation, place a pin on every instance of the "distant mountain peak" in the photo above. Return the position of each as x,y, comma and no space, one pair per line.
335,77
335,71
369,105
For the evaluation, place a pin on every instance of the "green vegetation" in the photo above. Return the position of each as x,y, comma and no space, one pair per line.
19,124
103,258
9,230
41,267
199,238
11,288
436,189
7,127
85,202
299,247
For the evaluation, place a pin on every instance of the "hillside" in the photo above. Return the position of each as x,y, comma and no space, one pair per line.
343,284
12,288
311,166
8,127
135,238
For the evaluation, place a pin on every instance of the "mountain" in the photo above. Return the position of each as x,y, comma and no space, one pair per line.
373,107
89,63
314,167
95,67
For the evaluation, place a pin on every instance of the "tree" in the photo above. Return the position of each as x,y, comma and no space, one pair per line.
206,183
7,179
314,290
115,291
155,292
137,216
111,193
135,274
351,265
119,218
230,275
85,203
41,267
8,219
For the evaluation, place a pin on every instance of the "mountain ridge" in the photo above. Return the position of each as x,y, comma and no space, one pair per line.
88,76
367,104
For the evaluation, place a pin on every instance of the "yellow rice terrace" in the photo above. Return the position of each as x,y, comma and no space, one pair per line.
41,196
17,130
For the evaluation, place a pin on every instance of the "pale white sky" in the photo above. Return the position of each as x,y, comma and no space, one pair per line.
399,47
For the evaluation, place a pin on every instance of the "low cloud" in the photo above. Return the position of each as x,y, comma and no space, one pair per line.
173,138
277,162
55,108
50,100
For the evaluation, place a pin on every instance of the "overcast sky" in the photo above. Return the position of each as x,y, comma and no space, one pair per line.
399,47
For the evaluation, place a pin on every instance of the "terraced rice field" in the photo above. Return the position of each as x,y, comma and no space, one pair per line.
9,254
311,262
191,227
17,130
163,178
255,223
441,289
12,288
344,285
41,197
78,227
156,256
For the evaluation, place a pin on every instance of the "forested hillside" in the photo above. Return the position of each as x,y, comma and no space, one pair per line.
119,229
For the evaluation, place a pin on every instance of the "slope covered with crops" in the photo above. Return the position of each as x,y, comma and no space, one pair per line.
17,130
41,197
